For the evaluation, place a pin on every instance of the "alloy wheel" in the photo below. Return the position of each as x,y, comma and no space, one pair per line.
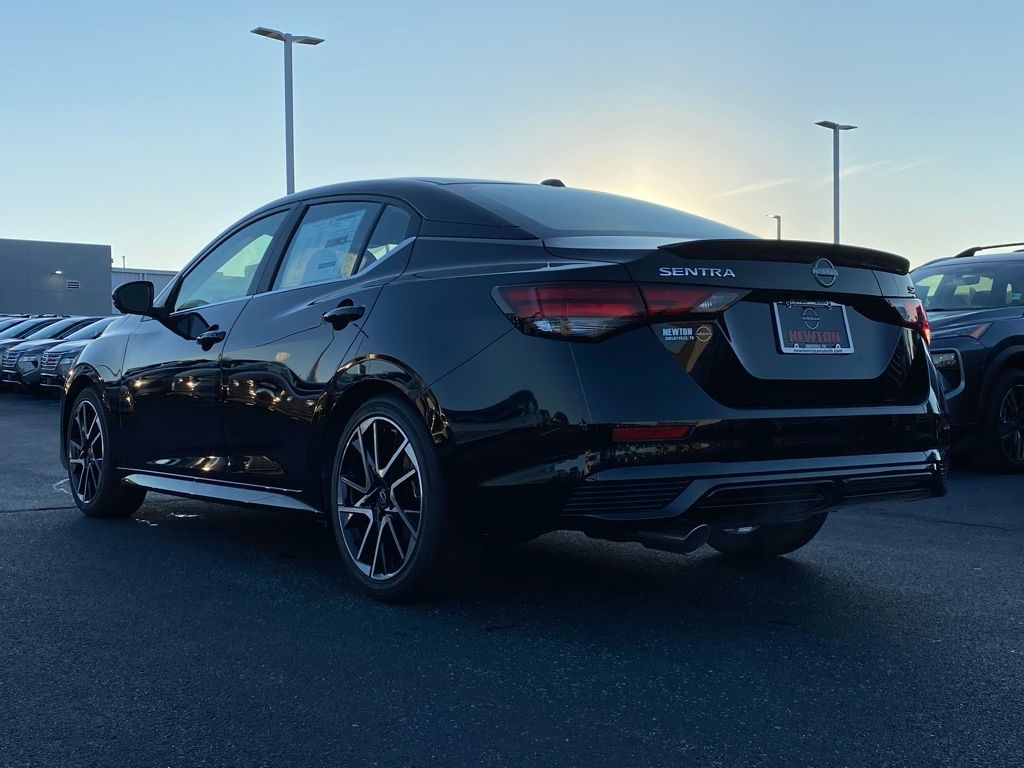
380,498
1011,423
85,451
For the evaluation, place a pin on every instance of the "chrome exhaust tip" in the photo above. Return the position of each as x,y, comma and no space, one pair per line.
680,545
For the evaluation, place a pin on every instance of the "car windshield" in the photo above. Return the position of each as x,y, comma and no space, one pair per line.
565,211
54,330
14,332
91,331
967,284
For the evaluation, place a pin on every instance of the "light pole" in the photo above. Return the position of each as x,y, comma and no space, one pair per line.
289,137
778,224
835,128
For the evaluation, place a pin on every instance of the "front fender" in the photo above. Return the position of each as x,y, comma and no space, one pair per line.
993,369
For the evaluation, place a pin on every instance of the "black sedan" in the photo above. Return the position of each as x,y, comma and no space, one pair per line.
431,364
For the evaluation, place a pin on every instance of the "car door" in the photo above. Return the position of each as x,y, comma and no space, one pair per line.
171,416
284,351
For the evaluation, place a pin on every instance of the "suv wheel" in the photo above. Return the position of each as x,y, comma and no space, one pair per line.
389,512
766,540
1001,427
92,475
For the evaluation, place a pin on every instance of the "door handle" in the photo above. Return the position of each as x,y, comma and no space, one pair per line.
208,339
342,316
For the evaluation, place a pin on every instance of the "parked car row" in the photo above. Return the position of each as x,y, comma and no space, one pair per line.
36,352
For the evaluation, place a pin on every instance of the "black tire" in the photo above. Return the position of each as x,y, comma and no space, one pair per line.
94,481
1000,435
767,540
416,554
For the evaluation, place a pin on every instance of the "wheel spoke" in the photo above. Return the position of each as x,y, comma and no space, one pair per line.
80,487
393,459
376,447
413,532
366,538
402,479
394,537
376,548
352,485
367,513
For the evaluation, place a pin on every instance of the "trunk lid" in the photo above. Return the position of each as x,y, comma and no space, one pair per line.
818,323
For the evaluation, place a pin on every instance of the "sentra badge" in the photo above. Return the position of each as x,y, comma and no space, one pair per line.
696,272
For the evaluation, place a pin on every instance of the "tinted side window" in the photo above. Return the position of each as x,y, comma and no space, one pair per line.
228,270
392,228
326,244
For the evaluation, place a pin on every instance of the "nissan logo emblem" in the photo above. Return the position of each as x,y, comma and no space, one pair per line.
825,272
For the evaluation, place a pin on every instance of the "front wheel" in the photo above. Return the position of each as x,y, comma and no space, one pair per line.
766,540
389,511
92,475
1001,425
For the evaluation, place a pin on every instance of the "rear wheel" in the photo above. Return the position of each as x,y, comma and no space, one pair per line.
389,510
766,541
1001,426
93,478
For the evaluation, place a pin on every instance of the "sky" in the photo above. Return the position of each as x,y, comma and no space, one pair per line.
152,126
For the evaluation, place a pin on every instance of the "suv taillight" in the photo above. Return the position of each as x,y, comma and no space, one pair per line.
594,311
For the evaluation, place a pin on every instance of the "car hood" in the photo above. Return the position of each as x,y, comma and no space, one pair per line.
949,318
39,345
70,346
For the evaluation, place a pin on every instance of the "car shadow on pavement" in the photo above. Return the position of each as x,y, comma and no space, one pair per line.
562,583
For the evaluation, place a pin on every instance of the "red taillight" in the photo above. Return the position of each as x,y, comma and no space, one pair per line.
593,311
643,434
913,315
667,301
573,310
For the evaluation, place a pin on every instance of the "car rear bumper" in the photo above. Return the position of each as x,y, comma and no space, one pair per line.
756,492
717,493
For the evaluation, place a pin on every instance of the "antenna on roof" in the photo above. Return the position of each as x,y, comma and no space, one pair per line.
560,183
975,249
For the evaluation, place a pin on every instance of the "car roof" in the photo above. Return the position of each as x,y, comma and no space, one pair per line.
427,195
969,261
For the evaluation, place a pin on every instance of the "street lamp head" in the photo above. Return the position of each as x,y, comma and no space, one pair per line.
273,34
833,126
287,37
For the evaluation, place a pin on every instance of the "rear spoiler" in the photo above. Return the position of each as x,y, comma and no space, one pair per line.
791,251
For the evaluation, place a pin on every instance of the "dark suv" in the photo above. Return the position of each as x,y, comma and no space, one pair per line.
975,302
429,363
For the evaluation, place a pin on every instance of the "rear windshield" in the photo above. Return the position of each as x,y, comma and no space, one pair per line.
564,211
967,284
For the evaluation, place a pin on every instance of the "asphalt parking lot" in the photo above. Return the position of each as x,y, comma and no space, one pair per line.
198,634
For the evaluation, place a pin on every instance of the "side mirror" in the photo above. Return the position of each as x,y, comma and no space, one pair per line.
134,298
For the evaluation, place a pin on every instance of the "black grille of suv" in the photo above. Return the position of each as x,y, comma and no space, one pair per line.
624,497
48,363
10,361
